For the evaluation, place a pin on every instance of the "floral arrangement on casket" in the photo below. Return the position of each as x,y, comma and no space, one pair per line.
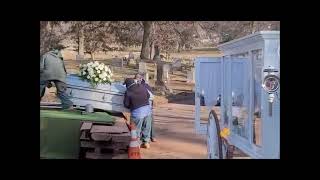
96,73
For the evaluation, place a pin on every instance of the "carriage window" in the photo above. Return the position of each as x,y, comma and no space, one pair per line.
257,64
240,98
240,55
226,85
210,88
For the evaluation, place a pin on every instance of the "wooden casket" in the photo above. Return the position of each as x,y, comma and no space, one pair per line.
104,96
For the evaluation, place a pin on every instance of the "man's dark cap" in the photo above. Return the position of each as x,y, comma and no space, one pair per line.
128,82
59,47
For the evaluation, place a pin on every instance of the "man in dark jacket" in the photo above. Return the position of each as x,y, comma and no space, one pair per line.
52,69
139,78
136,98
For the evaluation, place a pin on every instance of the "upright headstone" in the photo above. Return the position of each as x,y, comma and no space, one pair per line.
122,63
131,56
191,76
155,72
79,57
162,58
142,67
151,50
117,62
146,77
131,62
156,56
166,70
159,81
176,65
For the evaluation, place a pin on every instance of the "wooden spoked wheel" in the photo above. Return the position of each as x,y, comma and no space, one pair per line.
214,140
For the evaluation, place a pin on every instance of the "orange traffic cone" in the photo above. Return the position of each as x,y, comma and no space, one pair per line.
134,146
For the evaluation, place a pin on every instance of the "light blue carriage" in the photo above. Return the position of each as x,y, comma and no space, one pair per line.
247,77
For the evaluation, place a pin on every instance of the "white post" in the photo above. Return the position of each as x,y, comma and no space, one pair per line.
190,76
165,76
155,72
142,67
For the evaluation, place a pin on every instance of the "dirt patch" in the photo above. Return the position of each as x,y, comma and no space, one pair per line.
175,134
159,100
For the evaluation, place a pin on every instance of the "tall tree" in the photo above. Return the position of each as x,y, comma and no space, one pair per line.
77,31
98,37
229,30
145,49
50,35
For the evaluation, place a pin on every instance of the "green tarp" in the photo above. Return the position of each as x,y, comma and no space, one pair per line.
60,132
76,115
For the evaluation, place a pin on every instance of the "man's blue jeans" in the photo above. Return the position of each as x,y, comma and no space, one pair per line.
152,132
143,128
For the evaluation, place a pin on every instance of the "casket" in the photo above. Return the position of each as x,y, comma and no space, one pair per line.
104,96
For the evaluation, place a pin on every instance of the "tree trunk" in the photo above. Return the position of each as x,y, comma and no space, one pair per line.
167,56
46,37
92,55
179,47
151,50
159,81
145,50
81,43
252,27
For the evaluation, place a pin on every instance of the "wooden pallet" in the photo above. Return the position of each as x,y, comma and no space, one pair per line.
102,141
92,155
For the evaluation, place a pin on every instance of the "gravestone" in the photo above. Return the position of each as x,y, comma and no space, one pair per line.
146,77
191,76
177,64
166,70
155,72
142,67
162,58
131,56
117,62
132,63
159,82
128,57
122,63
79,57
156,56
144,71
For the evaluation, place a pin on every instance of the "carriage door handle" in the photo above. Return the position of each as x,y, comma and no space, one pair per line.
70,94
271,98
103,98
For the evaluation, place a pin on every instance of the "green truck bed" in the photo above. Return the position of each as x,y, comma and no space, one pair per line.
60,132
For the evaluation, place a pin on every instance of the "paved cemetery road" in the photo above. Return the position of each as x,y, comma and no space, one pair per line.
174,125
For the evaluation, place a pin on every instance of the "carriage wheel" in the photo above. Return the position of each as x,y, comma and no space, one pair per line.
214,140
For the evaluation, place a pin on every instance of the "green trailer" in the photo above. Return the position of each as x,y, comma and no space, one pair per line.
60,131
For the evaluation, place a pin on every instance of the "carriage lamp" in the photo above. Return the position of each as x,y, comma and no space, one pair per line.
271,84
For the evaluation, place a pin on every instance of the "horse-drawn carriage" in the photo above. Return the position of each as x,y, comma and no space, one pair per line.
247,77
